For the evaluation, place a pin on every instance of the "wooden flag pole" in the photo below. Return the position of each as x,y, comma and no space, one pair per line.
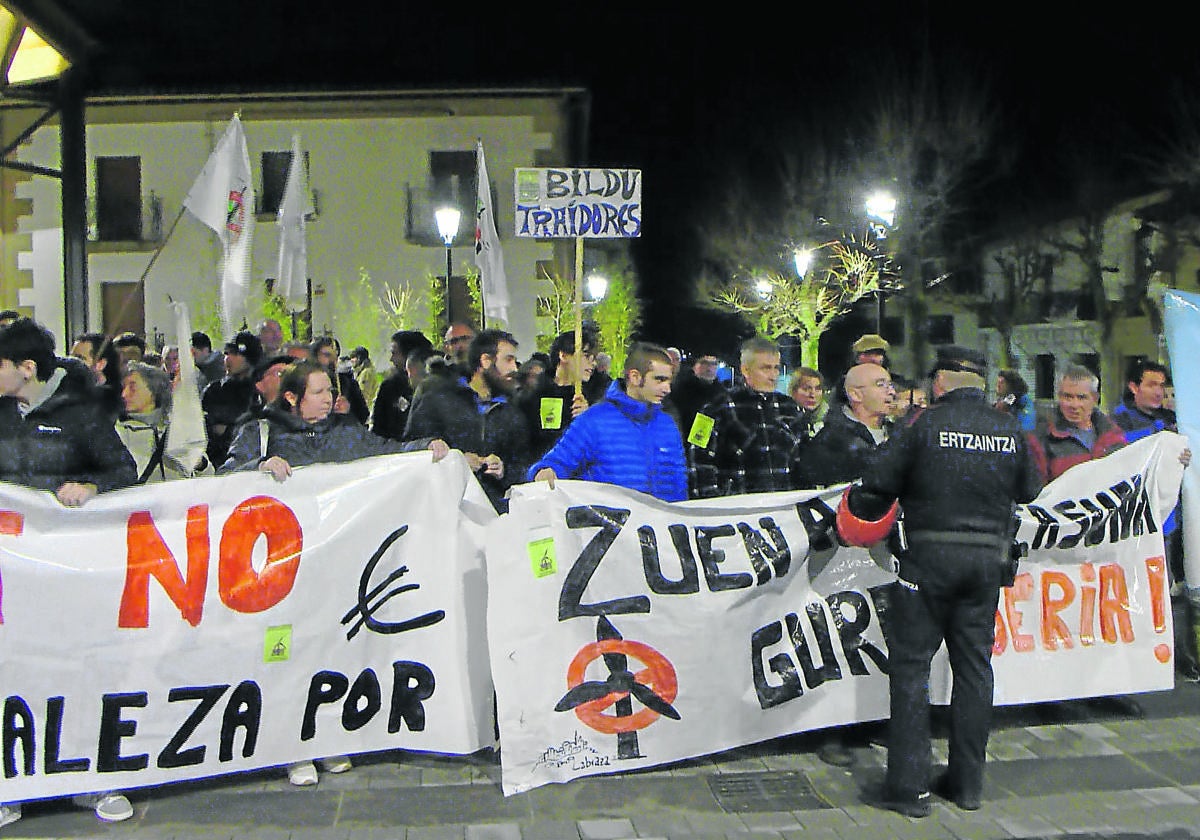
578,315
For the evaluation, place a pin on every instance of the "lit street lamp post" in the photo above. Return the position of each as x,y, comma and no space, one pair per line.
447,224
881,206
597,286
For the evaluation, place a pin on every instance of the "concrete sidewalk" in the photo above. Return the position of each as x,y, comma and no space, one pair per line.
1092,773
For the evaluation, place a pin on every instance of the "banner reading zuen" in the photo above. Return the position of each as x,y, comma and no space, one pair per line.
563,202
627,632
213,625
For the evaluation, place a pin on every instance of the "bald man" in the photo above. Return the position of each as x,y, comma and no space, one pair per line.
853,430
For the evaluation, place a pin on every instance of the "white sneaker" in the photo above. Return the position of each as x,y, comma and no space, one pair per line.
302,774
336,764
10,813
109,807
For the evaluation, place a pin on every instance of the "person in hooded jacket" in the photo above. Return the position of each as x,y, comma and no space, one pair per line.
55,431
57,434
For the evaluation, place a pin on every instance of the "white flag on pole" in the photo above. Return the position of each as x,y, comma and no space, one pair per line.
187,439
293,244
222,197
488,256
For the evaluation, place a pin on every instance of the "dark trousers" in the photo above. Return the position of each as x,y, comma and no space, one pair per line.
955,600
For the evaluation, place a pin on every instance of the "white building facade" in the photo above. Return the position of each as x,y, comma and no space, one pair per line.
378,164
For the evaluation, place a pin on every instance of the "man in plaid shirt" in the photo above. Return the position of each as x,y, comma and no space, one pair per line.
749,440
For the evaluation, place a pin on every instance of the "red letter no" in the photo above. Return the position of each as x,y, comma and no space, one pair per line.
242,589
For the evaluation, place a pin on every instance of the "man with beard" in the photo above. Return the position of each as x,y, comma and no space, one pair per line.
474,414
1142,413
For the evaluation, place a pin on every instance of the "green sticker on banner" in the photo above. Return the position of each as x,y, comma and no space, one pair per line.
551,412
541,557
277,644
701,431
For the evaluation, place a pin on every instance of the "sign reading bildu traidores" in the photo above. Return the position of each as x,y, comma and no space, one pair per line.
558,203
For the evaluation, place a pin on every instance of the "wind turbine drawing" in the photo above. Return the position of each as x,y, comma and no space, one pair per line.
655,687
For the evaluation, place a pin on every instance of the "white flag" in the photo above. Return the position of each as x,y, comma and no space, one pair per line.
293,244
223,198
187,439
488,256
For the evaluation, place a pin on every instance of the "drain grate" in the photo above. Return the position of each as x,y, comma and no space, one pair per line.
785,790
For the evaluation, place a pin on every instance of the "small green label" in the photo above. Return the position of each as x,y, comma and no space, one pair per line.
528,185
551,412
701,431
541,557
277,644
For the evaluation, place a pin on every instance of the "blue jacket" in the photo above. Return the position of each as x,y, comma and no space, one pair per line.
624,442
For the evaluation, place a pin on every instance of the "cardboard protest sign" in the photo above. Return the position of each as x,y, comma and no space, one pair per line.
564,202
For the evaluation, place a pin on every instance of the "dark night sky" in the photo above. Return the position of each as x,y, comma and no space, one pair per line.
676,94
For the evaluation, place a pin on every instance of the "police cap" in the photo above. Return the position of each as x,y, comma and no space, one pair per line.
953,357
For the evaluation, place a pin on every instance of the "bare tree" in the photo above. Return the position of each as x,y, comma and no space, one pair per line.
924,140
1021,270
927,138
780,304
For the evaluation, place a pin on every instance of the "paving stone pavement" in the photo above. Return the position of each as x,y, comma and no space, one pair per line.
1091,773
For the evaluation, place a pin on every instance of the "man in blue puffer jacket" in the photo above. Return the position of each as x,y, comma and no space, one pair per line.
626,439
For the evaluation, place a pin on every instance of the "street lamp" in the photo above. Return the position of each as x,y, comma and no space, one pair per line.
597,286
882,206
447,224
803,259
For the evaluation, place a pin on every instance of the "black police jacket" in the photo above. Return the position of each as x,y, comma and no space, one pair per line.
959,468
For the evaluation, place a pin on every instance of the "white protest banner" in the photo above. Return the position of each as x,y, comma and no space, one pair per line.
566,202
626,632
1090,613
207,626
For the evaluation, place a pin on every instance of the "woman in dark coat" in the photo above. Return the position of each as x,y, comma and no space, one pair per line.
300,428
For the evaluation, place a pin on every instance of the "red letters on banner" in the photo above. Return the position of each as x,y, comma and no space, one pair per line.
1070,610
241,588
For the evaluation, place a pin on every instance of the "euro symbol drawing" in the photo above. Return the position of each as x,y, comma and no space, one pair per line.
365,610
654,687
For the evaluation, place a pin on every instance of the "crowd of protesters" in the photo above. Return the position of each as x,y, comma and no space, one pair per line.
660,422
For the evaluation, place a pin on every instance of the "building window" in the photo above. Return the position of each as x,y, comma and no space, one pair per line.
940,329
452,180
893,330
275,166
1043,376
119,199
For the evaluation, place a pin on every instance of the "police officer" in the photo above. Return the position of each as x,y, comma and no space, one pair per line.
957,471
